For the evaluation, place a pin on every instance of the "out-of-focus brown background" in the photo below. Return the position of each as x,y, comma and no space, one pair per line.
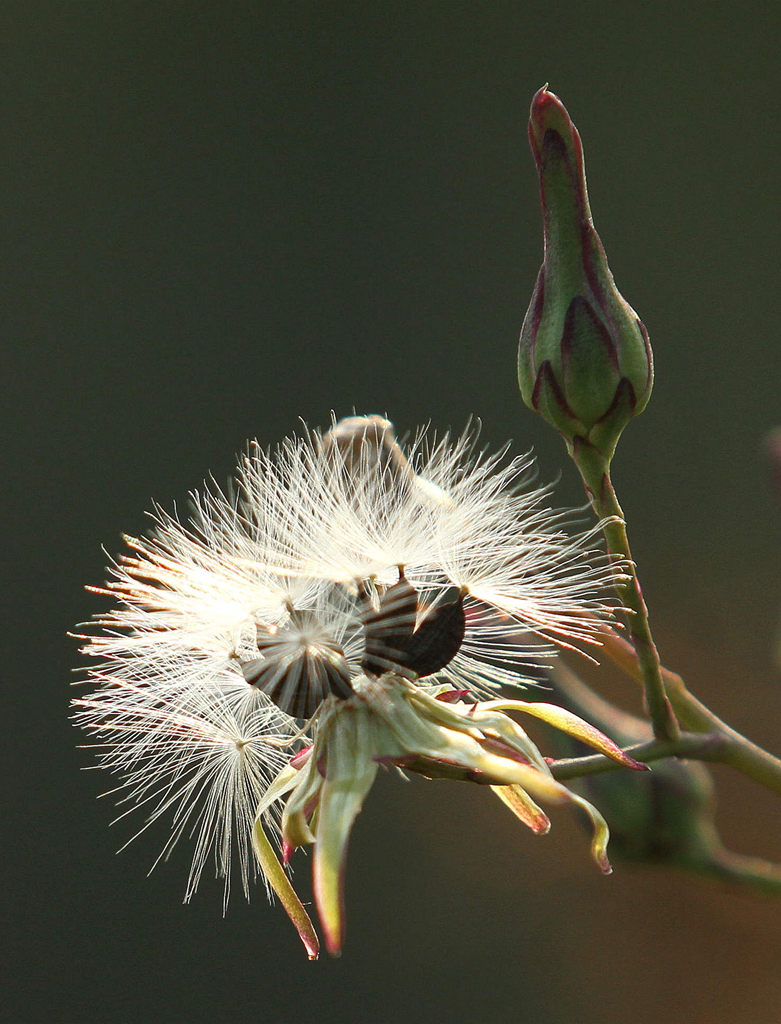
217,218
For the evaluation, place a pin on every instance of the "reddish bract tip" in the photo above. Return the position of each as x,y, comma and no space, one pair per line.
299,759
539,824
287,852
333,943
452,696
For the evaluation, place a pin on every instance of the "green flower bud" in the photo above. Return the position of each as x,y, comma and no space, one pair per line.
667,819
584,360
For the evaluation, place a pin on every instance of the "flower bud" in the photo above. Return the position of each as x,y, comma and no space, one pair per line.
584,360
665,818
665,815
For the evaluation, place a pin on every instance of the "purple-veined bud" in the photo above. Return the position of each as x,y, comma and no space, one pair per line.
584,360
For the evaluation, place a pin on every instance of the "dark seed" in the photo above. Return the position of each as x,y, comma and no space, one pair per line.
437,639
388,630
298,678
393,642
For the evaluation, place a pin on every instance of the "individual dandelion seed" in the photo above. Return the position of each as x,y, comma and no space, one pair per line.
200,760
336,562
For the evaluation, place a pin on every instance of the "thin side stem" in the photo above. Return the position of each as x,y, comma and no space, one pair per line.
697,746
737,751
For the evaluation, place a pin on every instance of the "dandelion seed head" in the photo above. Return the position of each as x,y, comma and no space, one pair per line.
334,557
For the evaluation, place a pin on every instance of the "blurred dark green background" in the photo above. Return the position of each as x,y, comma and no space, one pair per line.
217,218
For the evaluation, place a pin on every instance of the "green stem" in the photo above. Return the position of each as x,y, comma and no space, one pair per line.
595,471
697,746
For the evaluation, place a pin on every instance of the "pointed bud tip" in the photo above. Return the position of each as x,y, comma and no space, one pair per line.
548,112
542,101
